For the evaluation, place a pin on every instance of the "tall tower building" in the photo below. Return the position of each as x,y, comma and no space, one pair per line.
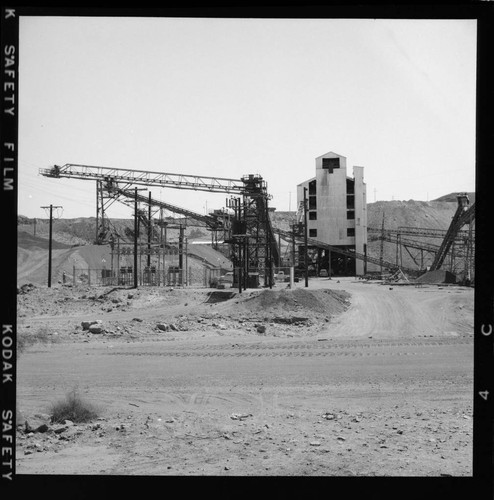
337,215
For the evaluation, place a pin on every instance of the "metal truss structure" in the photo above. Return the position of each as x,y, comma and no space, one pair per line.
297,236
249,231
463,215
456,249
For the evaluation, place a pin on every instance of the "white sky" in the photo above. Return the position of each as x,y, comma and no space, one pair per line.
230,97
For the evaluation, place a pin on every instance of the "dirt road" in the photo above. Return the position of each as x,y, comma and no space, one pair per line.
384,388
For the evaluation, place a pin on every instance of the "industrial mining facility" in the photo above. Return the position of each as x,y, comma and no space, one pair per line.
327,236
332,340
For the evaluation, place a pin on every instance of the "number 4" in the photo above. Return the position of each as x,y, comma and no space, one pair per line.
484,394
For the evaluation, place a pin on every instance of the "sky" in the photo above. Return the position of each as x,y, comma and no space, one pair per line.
230,97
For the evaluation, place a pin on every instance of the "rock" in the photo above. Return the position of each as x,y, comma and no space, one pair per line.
240,416
162,326
69,423
96,328
174,327
261,329
92,325
315,443
137,319
42,428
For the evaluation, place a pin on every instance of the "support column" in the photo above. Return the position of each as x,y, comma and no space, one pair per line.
149,235
135,239
306,250
181,254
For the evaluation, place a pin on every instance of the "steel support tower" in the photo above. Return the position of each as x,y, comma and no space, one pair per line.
260,250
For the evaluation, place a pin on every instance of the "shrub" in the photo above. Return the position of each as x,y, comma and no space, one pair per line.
73,408
26,339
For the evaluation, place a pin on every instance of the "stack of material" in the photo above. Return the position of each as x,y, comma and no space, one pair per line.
437,277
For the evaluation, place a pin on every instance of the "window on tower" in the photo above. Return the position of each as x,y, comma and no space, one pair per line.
330,164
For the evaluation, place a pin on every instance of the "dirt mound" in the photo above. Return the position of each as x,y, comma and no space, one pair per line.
309,303
438,276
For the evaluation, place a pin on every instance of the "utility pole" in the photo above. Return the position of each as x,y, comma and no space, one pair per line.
469,251
118,260
187,277
149,234
161,245
246,248
382,247
240,241
51,207
97,211
135,239
181,254
293,245
306,254
164,254
269,253
279,246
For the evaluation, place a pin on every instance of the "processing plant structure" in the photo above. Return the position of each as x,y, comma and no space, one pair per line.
328,235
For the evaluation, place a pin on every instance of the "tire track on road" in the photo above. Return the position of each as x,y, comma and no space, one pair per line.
394,348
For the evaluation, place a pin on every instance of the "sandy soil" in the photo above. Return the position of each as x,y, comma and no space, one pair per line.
345,378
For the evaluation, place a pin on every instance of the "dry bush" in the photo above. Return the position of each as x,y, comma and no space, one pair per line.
27,339
73,408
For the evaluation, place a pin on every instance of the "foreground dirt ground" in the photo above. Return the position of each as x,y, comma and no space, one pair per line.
344,378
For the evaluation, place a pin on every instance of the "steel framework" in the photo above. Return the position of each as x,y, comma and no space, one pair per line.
456,243
463,215
253,247
290,235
